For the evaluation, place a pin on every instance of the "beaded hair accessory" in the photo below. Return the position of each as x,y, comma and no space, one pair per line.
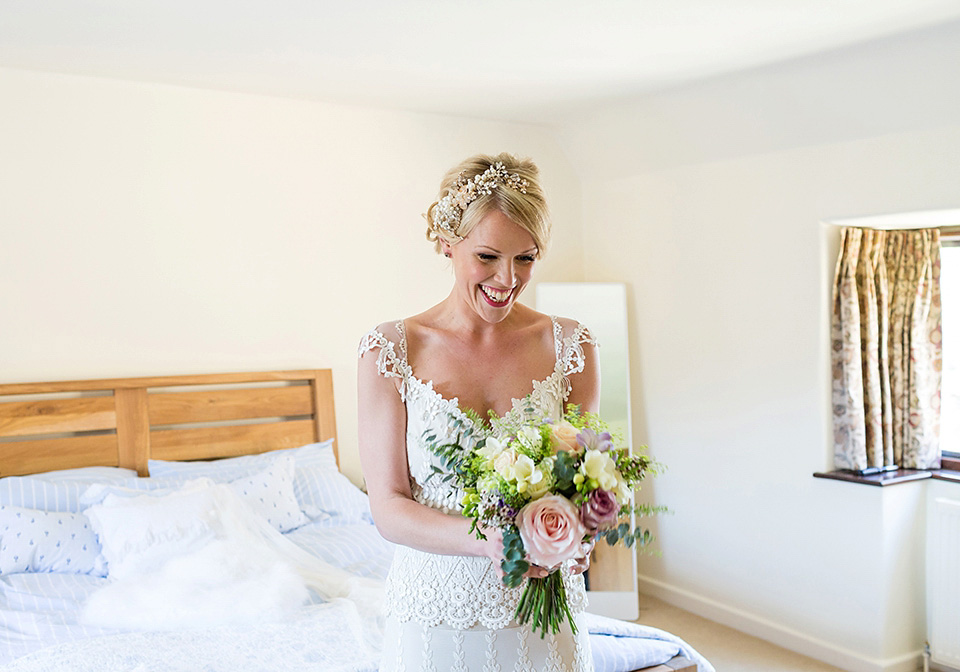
450,208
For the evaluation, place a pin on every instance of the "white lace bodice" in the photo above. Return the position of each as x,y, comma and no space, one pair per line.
461,591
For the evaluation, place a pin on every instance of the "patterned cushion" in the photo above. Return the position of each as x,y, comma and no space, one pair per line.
48,541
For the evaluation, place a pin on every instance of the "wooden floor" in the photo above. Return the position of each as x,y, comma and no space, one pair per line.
728,650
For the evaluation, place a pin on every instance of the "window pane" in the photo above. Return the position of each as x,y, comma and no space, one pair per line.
950,296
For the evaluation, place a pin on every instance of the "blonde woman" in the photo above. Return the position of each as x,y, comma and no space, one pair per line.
479,349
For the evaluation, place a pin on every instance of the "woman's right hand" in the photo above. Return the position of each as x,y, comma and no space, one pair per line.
493,549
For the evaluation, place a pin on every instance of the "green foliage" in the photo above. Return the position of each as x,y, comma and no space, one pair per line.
564,469
514,563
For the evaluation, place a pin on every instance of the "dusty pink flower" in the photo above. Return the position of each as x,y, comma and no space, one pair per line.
599,511
551,530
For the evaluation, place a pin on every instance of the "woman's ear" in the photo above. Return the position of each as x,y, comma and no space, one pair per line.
445,247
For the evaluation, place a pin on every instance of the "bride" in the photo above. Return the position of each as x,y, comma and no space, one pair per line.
478,349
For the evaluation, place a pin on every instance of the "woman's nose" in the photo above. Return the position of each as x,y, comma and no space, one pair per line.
507,274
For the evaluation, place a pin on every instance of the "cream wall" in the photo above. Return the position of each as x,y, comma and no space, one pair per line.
708,202
151,229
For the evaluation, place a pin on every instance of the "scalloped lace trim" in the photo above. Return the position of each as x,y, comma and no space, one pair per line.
459,591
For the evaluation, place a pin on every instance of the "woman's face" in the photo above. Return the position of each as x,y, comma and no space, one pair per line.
493,265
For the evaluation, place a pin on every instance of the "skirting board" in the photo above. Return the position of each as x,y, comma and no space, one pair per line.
621,604
769,631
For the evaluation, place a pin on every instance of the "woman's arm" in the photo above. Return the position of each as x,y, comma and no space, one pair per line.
383,457
585,392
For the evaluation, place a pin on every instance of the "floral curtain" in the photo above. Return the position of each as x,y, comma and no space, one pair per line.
886,349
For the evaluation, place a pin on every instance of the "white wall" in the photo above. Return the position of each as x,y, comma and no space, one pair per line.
149,229
708,201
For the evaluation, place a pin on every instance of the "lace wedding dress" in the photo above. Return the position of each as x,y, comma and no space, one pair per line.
449,612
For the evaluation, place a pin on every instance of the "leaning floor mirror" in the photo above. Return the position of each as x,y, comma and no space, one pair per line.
612,578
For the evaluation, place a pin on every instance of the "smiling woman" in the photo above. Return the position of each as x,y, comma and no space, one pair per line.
431,375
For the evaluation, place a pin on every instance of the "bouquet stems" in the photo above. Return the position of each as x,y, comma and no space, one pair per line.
543,604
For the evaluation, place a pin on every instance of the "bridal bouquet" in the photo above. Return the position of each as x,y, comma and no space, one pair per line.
551,488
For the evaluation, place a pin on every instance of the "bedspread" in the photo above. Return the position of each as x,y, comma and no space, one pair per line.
322,637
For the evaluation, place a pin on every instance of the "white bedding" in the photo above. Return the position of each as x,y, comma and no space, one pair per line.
325,637
43,610
44,626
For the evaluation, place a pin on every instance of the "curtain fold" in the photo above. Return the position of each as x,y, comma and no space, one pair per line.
886,349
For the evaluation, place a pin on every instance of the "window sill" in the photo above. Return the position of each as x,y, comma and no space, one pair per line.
896,477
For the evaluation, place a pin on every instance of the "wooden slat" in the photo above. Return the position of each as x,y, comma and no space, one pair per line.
172,408
30,457
133,429
206,443
155,381
325,419
53,416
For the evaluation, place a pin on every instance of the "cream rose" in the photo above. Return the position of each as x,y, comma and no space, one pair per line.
563,436
551,530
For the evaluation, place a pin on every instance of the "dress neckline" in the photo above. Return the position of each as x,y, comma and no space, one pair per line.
454,402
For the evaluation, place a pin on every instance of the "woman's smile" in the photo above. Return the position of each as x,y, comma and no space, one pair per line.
498,298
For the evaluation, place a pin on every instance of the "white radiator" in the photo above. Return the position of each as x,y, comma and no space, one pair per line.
943,582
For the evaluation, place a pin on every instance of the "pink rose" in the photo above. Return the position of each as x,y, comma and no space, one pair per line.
599,511
551,530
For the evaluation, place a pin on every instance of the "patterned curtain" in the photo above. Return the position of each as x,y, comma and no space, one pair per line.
886,349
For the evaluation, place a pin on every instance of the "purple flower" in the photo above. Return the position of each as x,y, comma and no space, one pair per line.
590,440
600,511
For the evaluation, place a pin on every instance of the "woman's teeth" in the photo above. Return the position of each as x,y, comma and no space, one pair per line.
497,296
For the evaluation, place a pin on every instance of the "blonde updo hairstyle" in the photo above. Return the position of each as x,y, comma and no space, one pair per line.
526,210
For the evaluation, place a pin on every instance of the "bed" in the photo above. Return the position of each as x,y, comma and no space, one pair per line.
122,463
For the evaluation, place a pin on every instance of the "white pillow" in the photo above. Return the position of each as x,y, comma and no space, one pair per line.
136,487
270,494
139,534
46,541
318,455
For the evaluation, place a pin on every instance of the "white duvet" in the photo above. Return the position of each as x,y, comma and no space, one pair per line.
205,583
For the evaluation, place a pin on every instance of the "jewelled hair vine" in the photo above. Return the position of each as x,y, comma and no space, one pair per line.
449,209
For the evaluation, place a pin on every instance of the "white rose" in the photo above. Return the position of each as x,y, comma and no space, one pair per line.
503,464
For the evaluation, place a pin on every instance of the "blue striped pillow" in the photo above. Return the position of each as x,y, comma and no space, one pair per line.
318,455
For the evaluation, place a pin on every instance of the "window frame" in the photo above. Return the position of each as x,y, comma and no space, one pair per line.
950,237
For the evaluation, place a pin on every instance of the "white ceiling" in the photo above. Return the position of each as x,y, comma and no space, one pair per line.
508,59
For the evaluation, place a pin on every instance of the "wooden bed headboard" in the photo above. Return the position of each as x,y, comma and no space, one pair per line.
126,421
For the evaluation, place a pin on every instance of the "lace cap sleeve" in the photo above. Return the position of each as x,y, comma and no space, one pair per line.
572,358
392,356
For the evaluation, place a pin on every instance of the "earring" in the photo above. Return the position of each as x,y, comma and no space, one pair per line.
446,254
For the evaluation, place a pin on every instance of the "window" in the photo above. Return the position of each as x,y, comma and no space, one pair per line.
950,300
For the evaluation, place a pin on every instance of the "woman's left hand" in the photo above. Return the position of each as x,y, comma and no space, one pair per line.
583,564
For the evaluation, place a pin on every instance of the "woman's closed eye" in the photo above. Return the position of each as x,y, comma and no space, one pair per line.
523,258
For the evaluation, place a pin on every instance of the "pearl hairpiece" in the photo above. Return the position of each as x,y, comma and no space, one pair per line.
450,208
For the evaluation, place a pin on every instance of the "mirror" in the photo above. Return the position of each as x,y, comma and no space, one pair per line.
612,578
